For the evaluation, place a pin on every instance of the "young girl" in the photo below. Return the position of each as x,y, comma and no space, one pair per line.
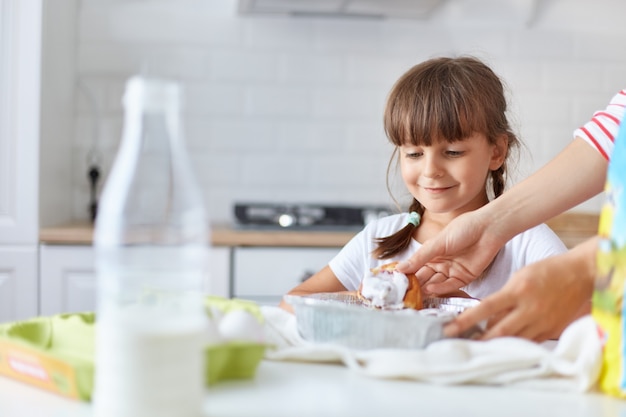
446,117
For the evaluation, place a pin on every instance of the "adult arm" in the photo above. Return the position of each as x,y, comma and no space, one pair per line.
467,245
539,300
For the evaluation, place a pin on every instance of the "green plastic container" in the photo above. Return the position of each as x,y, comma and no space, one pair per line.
56,353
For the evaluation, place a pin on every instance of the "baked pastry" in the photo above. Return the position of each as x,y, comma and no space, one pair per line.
386,288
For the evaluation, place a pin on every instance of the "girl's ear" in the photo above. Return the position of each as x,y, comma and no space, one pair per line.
499,152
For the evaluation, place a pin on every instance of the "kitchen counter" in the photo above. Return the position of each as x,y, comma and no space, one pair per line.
221,235
299,389
572,227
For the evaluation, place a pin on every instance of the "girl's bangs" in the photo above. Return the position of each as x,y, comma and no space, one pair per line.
422,122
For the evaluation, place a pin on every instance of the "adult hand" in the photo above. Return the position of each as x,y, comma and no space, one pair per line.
455,256
539,300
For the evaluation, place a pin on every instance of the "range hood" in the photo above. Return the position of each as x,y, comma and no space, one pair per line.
415,9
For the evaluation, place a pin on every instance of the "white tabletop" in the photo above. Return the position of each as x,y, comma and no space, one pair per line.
300,389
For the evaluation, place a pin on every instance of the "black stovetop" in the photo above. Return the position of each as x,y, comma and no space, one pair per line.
306,215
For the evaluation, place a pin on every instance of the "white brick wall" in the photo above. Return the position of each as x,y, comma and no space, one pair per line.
290,109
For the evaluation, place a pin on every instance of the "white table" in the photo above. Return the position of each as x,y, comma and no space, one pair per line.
317,390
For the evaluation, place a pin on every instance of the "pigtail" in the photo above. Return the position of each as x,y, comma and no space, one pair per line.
499,176
391,245
498,181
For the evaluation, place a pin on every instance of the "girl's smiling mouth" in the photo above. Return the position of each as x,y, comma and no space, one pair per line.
436,190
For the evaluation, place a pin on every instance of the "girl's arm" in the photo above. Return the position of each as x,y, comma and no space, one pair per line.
323,281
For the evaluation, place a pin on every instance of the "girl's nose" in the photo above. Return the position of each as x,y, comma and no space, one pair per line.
431,167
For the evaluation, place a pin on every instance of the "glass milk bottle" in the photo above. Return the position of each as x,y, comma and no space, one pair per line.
151,256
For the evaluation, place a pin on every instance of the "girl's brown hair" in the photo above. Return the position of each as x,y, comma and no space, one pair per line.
444,99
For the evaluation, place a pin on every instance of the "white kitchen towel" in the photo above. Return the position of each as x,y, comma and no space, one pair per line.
572,365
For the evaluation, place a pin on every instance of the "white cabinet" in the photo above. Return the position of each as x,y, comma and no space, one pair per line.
18,283
262,274
265,274
68,279
20,57
219,271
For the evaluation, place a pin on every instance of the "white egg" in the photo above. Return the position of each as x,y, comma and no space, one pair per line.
241,325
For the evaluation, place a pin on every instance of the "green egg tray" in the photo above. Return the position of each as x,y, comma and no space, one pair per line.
56,353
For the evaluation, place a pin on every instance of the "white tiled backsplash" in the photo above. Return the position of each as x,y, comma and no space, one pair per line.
290,109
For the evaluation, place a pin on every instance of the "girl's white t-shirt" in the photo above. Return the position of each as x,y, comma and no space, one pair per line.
355,259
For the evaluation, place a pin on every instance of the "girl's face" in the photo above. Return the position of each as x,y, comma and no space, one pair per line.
450,178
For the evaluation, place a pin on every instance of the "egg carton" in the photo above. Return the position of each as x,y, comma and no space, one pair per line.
56,353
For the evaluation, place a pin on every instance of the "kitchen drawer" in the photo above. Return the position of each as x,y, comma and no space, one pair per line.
266,274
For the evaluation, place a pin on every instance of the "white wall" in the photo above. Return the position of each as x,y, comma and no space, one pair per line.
290,108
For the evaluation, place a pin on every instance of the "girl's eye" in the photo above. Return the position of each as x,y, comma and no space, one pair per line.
454,154
413,155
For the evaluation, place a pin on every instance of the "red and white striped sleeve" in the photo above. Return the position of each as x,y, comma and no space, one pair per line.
600,132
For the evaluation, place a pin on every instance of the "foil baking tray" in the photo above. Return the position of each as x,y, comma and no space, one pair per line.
341,318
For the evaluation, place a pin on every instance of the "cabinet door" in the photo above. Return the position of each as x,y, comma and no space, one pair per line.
20,48
266,274
20,34
18,283
219,272
68,279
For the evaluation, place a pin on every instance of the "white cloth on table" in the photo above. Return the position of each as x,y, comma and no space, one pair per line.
572,364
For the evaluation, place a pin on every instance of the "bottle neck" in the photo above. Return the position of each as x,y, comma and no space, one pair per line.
151,188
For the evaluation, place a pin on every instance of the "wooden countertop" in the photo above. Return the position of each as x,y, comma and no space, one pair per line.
571,227
574,227
221,235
